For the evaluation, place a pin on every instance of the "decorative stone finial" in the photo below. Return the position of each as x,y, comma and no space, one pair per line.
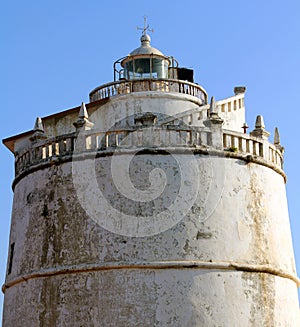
212,107
214,123
83,120
259,130
83,112
277,140
276,136
39,132
239,89
38,126
214,118
259,123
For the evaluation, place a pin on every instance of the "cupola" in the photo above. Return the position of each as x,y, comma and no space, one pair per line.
145,62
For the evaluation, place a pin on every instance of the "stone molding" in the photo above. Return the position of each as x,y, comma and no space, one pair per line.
180,264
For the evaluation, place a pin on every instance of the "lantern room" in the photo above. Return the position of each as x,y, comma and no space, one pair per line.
145,62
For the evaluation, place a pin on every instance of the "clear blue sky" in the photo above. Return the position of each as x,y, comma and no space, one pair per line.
54,52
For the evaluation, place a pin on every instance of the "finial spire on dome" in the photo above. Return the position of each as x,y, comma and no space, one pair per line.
145,28
145,38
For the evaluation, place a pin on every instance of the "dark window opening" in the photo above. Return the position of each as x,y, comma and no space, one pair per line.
11,256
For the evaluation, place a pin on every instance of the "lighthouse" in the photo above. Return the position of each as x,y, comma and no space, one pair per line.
151,205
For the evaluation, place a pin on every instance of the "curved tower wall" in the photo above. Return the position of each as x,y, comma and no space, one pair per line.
211,246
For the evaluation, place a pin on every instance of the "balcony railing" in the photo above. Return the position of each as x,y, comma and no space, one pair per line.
244,143
162,85
66,146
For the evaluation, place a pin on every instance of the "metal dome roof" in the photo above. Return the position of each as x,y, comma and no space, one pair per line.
145,48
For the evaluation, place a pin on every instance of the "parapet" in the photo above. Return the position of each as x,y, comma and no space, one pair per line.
150,134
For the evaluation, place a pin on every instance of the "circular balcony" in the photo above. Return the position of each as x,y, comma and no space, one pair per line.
62,148
158,85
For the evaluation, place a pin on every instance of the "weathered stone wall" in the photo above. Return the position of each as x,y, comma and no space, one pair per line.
228,262
153,297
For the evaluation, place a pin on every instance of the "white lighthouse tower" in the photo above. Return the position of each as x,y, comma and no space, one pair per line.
150,206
